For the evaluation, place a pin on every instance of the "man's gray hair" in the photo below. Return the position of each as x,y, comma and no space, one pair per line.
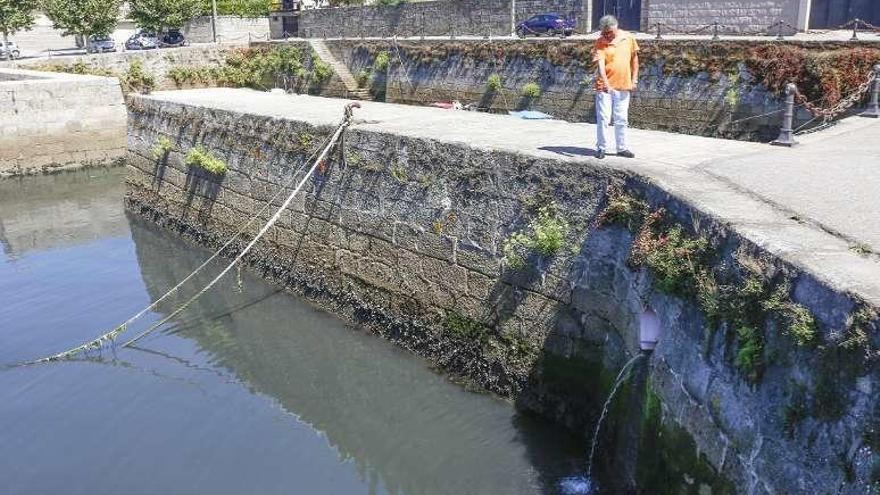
607,22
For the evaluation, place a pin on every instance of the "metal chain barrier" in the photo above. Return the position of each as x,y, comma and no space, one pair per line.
826,114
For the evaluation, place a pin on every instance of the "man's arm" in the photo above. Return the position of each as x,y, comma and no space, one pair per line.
603,75
634,64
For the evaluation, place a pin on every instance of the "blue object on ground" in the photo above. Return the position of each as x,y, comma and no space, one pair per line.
530,115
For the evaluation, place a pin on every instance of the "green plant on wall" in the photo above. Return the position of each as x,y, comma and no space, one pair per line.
382,61
321,71
399,173
137,79
746,295
363,78
493,83
162,147
544,235
531,90
201,158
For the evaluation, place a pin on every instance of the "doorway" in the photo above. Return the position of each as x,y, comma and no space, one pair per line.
831,14
628,12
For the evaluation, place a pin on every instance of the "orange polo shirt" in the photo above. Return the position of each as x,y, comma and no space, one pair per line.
617,55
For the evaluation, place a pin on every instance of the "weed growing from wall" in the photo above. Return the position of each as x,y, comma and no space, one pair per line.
321,71
382,61
493,83
201,158
136,79
745,296
545,235
363,78
162,147
531,90
399,173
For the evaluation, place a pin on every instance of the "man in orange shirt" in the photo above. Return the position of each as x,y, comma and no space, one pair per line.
617,54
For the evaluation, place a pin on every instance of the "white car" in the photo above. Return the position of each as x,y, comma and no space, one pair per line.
9,50
101,44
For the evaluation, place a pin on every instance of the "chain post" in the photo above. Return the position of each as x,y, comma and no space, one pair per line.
855,36
779,36
873,110
715,29
423,24
786,134
658,37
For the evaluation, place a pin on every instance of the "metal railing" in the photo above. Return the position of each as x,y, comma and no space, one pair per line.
416,26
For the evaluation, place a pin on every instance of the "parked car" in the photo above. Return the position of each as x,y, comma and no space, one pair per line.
101,44
549,24
10,50
172,39
142,41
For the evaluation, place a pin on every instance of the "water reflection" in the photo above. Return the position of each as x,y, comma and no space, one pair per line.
39,213
246,392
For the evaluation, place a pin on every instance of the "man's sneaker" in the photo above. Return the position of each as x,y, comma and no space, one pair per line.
600,154
626,154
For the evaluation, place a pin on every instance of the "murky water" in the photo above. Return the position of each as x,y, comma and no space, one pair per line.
247,392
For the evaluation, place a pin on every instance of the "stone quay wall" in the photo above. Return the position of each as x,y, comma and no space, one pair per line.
54,121
435,18
432,71
154,62
736,16
406,235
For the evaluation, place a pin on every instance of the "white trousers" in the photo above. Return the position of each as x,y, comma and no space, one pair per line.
610,103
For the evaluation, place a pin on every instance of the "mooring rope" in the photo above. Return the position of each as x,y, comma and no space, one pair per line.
113,334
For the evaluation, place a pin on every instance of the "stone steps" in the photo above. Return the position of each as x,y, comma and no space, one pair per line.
341,70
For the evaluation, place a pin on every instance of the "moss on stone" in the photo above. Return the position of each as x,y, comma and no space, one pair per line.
462,327
669,462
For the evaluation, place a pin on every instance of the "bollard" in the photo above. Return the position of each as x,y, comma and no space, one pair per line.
658,37
855,36
786,135
779,36
423,25
873,110
715,27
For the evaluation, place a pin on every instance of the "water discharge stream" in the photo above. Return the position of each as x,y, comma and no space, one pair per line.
617,383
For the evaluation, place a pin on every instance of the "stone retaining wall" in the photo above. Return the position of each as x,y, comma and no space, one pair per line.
154,62
407,236
229,29
52,121
736,16
436,18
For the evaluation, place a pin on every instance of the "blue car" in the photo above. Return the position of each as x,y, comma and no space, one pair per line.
549,24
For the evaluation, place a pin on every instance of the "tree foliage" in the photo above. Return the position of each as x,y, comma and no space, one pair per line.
16,15
156,15
83,17
241,8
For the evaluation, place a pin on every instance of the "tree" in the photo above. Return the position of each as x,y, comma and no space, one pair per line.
15,15
155,15
83,18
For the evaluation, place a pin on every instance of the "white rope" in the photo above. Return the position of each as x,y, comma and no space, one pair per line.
250,245
111,335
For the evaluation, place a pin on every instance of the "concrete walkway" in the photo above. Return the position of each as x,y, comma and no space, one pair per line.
808,205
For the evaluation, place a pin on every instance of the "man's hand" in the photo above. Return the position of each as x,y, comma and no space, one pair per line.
606,86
